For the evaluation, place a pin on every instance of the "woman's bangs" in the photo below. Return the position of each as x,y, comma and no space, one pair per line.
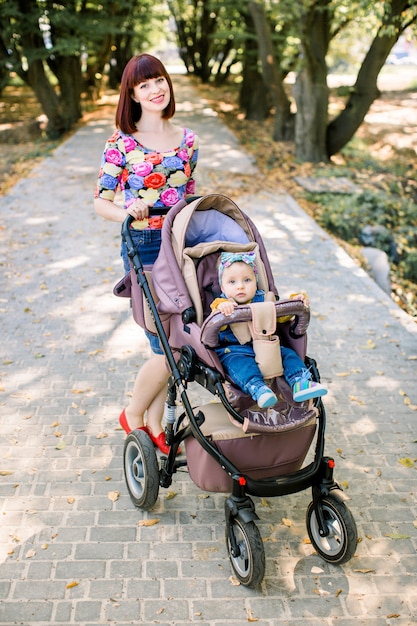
146,69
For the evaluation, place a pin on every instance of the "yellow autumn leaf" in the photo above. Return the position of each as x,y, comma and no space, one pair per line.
265,503
5,473
406,462
113,495
364,571
171,494
397,536
286,522
101,435
61,445
148,522
341,374
235,582
70,500
30,553
74,583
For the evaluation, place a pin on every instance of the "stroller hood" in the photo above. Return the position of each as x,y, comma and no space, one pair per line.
207,219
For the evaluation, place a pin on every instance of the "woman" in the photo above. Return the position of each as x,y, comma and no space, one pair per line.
151,160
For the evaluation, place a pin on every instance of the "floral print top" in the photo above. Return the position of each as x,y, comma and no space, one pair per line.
161,179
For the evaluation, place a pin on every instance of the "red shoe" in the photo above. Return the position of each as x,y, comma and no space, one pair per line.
123,423
160,443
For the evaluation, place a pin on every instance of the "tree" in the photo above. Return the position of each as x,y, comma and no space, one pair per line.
209,36
315,24
59,50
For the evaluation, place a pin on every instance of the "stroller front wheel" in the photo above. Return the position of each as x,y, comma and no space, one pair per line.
141,469
246,551
340,543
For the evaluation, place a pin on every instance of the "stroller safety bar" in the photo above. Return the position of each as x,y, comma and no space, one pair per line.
243,313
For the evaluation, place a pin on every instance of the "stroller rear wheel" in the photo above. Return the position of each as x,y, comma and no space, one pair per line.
141,469
340,544
246,551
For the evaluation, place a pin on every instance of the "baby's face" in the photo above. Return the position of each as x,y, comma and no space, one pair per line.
239,282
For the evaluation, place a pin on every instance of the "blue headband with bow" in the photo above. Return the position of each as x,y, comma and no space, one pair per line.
228,258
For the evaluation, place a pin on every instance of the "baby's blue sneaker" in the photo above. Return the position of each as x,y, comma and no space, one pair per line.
306,389
265,397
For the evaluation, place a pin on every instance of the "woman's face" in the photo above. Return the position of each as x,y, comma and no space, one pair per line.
153,94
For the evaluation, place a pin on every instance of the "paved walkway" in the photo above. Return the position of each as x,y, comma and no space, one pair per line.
73,551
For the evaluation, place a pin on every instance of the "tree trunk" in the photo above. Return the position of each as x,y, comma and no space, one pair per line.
36,78
365,91
272,75
67,69
252,94
311,92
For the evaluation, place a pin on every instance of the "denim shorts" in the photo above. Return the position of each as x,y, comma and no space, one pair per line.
147,243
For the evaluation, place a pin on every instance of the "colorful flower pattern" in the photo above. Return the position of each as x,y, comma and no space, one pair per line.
159,178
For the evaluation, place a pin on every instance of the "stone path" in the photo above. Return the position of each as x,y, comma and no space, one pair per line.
73,549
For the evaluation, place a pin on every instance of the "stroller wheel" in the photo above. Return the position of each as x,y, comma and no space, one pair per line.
141,469
248,556
340,544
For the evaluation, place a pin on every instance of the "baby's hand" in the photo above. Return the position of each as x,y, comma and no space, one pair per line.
301,296
227,307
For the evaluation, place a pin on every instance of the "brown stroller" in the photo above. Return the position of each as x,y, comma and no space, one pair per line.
231,445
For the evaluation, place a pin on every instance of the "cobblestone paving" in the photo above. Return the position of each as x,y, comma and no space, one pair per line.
71,550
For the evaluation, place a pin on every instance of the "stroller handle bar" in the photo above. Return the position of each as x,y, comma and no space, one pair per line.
243,313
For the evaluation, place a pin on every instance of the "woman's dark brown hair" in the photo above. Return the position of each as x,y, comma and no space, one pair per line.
137,70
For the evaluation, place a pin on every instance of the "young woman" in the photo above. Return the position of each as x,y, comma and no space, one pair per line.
151,161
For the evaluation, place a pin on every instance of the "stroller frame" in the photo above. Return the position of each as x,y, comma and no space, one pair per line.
330,524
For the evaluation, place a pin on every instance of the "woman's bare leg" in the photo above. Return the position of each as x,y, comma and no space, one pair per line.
148,395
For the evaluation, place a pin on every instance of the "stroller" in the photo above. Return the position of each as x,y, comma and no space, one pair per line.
232,446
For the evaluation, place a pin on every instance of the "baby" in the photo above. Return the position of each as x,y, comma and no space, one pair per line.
239,285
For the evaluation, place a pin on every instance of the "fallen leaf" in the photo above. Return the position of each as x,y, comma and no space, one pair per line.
74,583
61,445
370,345
30,553
265,503
171,494
406,462
113,495
101,435
5,473
286,522
44,546
338,592
70,500
78,391
148,522
397,536
251,618
364,571
235,582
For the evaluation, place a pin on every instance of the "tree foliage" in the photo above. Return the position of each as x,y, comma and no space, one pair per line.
61,49
299,37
